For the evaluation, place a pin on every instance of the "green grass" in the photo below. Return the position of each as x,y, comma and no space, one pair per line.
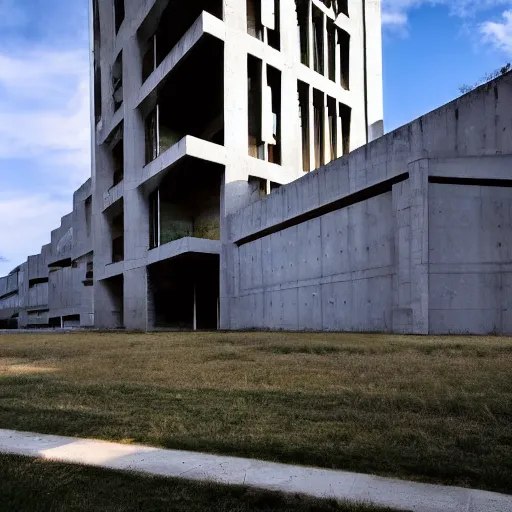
429,409
31,485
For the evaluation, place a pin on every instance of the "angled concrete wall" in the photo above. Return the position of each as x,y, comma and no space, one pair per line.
407,234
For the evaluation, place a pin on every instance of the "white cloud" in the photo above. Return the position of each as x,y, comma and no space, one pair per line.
44,111
44,126
27,222
499,34
394,12
395,19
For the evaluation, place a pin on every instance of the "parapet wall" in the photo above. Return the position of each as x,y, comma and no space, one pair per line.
410,233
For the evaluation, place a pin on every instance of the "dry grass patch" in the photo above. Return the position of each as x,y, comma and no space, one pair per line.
429,408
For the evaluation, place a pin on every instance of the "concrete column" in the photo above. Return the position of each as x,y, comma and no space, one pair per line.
136,208
136,299
373,45
358,127
411,289
234,188
106,308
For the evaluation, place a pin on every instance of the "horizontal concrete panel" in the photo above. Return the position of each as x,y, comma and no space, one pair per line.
470,224
465,321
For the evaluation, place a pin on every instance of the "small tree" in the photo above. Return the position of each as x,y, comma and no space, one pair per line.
464,89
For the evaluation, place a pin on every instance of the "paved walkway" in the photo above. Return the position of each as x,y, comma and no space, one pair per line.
397,494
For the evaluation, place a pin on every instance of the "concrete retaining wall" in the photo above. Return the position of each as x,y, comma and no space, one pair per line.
410,233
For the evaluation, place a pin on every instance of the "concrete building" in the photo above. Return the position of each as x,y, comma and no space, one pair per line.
55,287
200,109
202,211
411,233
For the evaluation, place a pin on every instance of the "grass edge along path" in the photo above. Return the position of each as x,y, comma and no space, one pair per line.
34,485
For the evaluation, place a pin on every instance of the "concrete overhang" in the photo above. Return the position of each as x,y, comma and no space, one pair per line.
183,152
62,263
113,195
8,313
9,294
184,246
205,26
113,270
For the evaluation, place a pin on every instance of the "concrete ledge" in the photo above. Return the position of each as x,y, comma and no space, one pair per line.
183,246
112,270
495,167
353,487
113,195
104,132
187,147
205,24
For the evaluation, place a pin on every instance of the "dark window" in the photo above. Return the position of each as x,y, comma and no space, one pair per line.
274,82
346,115
331,49
256,147
118,161
89,273
254,26
344,40
318,40
303,90
274,36
151,136
88,216
149,59
117,81
97,94
154,213
319,110
303,28
118,13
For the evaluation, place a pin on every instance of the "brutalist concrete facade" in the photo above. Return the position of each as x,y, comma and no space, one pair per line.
199,109
54,288
202,211
411,233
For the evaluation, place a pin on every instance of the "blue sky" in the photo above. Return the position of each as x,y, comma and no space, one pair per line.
431,48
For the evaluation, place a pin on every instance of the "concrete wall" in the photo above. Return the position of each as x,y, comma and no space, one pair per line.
232,160
407,234
470,256
46,286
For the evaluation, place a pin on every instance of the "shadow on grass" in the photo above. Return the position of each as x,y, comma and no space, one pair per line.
56,487
449,440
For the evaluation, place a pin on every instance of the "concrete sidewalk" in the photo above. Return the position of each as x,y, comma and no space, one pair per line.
397,494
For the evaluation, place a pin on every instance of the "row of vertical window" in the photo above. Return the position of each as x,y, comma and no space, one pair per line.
263,21
326,48
324,122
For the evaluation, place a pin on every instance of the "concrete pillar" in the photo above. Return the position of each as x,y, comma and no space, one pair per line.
411,290
234,188
373,45
136,299
106,307
136,208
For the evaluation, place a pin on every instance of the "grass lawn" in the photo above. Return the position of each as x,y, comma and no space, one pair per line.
35,486
424,408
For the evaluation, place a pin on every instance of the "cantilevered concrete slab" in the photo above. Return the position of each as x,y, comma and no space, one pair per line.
183,246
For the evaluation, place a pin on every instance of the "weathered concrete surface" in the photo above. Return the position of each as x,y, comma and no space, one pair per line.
353,487
224,24
409,234
51,284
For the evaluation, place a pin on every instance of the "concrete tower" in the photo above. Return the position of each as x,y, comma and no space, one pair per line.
199,109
